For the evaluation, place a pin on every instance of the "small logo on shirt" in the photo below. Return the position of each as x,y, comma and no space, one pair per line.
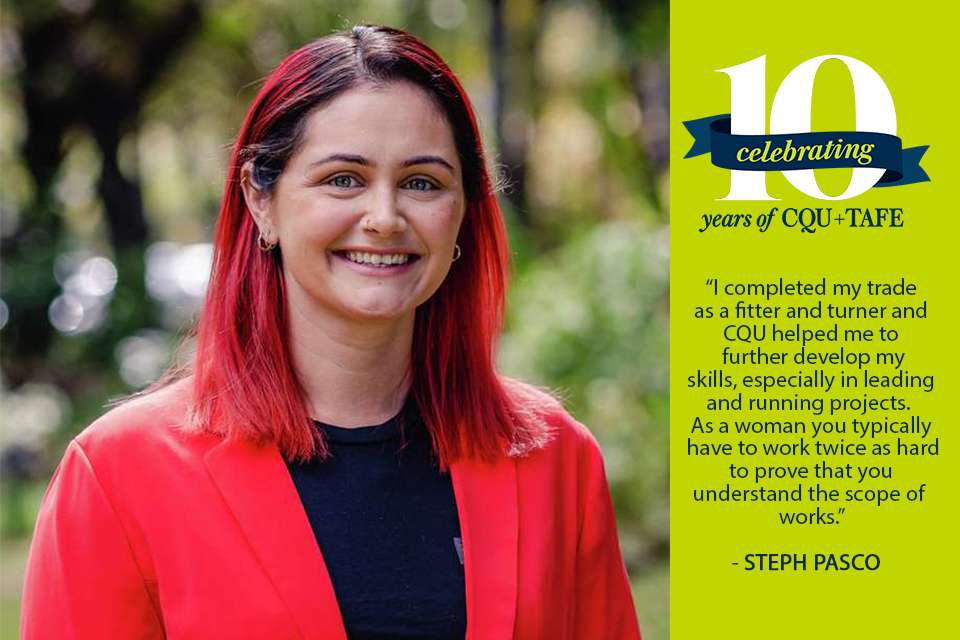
458,545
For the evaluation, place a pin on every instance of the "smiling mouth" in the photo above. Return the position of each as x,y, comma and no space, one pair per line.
382,260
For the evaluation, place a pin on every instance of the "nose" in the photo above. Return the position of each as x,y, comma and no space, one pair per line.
383,216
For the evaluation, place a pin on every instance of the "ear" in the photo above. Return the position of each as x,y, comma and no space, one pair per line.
258,203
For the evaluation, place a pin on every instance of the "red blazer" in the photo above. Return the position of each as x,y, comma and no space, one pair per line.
147,531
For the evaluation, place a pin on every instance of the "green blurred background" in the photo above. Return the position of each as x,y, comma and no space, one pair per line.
115,124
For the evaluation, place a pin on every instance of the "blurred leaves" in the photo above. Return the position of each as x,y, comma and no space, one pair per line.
590,320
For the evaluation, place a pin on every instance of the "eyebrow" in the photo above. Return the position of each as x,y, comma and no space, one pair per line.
427,160
356,159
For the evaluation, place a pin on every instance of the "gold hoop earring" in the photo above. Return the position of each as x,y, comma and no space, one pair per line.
263,244
456,253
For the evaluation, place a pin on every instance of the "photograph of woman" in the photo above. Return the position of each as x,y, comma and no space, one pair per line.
340,457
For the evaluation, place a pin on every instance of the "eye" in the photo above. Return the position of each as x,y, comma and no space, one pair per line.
420,184
343,181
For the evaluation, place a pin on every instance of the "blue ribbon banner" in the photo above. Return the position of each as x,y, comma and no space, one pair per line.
818,150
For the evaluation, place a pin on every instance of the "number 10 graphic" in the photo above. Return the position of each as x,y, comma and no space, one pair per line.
790,113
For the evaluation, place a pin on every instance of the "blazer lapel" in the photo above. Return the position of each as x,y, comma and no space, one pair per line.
487,505
256,485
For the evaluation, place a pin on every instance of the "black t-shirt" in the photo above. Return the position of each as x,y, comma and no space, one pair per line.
386,522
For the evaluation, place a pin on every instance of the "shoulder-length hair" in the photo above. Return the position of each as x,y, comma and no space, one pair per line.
244,381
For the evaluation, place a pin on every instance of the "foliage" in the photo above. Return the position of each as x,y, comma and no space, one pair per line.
590,321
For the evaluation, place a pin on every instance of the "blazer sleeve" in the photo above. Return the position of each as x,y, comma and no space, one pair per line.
604,603
82,579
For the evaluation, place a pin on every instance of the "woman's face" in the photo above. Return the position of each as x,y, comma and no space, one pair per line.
367,210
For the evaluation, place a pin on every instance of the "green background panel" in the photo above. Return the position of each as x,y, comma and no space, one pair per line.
913,48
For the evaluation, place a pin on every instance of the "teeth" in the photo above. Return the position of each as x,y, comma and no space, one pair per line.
377,259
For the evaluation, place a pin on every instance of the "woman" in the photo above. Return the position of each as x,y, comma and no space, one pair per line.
358,279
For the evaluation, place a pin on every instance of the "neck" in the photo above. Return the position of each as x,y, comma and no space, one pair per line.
354,374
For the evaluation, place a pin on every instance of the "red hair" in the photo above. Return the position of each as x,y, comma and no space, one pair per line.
245,384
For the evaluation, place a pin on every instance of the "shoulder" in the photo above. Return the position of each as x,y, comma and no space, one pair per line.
143,429
566,472
562,434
